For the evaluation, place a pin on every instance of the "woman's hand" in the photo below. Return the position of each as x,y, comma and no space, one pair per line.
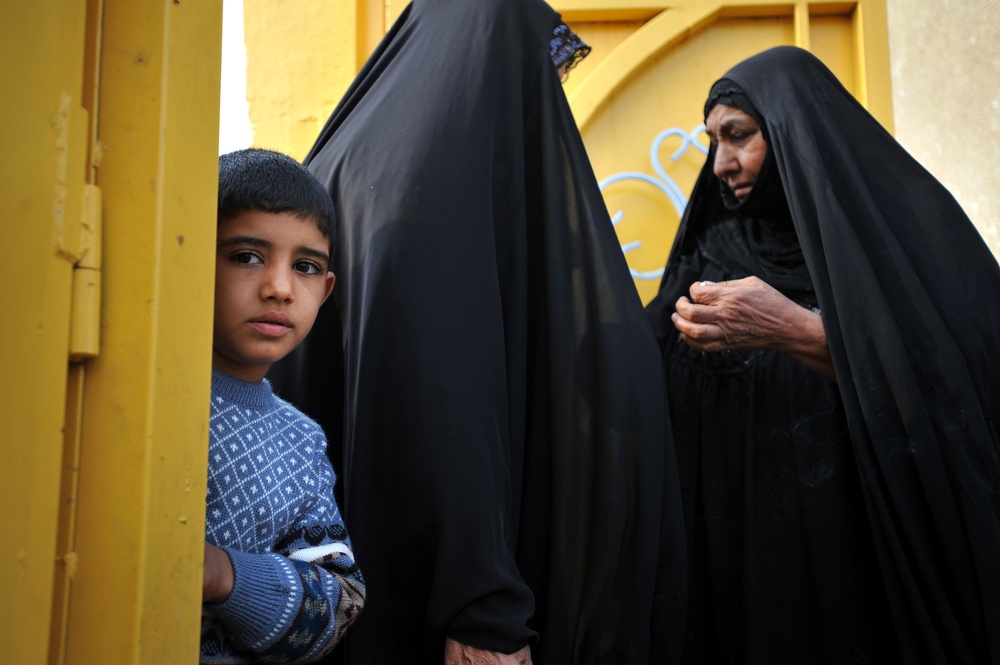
750,315
456,653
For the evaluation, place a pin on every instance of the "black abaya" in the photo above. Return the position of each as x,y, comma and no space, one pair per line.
856,521
508,469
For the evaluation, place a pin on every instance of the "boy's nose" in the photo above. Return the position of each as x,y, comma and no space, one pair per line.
278,285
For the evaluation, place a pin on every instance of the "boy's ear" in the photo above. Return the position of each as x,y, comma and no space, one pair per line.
330,280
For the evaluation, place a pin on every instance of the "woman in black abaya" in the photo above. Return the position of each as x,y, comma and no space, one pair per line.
509,477
830,327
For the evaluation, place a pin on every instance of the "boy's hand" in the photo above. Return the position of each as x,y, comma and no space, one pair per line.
217,583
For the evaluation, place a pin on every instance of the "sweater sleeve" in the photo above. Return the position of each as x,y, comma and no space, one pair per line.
291,609
295,603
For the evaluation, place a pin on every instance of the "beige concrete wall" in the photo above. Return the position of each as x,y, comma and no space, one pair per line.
945,57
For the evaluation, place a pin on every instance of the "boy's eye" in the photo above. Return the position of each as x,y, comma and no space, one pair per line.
247,258
308,267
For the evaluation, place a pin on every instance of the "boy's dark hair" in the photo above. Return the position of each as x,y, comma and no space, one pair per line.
269,181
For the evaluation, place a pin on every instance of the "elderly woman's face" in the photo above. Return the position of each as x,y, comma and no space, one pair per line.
739,148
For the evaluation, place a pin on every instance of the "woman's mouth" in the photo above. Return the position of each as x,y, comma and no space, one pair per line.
741,191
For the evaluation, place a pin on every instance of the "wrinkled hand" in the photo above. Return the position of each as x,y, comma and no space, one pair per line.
746,314
456,653
750,315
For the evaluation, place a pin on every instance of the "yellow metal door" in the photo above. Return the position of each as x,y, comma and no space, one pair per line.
108,176
42,176
638,97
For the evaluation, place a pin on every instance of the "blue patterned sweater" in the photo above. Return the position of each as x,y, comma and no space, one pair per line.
271,508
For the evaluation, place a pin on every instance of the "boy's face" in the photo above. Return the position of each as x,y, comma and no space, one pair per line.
271,276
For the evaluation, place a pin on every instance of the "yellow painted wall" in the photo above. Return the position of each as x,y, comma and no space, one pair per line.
301,57
310,61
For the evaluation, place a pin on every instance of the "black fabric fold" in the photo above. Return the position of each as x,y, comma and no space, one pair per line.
507,468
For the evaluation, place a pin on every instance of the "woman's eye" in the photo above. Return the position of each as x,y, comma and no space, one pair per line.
308,267
247,258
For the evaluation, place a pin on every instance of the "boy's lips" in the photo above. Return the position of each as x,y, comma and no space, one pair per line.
272,324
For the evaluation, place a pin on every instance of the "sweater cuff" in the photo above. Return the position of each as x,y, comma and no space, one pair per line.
267,592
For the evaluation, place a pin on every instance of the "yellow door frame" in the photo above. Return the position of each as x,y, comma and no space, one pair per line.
109,181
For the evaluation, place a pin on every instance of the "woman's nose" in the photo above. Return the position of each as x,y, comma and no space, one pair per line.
725,160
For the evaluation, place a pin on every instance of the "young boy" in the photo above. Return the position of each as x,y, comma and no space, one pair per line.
280,580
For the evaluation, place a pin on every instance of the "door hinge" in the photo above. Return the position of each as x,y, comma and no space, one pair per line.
85,316
77,217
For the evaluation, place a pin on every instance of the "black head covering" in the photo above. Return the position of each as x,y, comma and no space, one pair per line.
566,47
729,93
758,238
506,466
910,297
767,198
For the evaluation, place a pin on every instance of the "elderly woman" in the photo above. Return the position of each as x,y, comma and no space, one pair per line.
830,327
